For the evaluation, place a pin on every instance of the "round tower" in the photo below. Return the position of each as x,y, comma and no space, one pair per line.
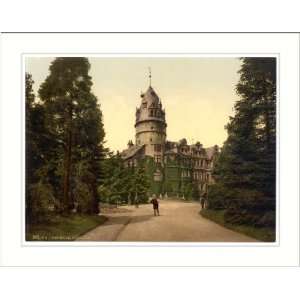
150,125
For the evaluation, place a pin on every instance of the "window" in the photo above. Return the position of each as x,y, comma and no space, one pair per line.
145,105
157,148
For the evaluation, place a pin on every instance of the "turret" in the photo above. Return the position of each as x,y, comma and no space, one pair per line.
151,125
130,144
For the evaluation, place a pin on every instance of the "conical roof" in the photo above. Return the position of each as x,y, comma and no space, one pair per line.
150,97
150,108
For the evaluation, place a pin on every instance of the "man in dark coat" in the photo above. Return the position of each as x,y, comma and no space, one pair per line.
155,204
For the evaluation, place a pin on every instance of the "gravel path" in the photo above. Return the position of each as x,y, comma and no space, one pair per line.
178,222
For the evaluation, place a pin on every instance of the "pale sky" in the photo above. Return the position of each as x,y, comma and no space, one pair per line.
198,94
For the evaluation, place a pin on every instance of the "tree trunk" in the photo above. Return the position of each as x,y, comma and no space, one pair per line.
67,163
95,204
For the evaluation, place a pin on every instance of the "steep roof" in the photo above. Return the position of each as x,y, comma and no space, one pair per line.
150,108
150,97
131,151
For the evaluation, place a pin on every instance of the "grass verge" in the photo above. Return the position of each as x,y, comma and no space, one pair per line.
265,234
63,228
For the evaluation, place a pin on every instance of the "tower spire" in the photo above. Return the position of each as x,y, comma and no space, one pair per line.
149,76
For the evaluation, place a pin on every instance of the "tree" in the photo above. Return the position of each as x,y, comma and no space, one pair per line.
30,142
39,193
258,87
246,169
118,181
140,183
74,120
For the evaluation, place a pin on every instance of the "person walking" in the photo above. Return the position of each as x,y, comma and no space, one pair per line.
155,204
203,200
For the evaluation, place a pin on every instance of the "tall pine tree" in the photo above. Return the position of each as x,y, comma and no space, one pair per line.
246,170
74,119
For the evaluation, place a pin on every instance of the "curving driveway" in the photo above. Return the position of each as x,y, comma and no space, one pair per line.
178,222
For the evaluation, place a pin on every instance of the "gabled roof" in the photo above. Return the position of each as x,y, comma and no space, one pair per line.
131,151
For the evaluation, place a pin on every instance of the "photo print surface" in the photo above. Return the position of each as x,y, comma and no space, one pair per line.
150,149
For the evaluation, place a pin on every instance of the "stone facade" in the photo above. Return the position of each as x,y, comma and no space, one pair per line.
174,168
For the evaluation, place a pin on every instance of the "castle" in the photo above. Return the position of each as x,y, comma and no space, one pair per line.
175,168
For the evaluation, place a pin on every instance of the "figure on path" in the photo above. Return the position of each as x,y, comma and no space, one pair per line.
155,204
203,200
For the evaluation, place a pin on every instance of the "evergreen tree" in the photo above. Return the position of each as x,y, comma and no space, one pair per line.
31,150
257,86
121,183
140,183
39,193
117,184
74,120
246,169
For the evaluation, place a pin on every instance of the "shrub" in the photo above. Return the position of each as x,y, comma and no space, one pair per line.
143,197
83,198
267,220
195,192
188,191
242,206
250,207
115,199
104,193
40,203
218,197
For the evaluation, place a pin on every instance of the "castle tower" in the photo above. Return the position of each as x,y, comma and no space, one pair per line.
150,125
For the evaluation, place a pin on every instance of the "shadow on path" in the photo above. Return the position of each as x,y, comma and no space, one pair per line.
144,218
126,219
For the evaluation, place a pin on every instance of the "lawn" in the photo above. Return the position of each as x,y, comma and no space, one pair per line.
63,228
265,234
